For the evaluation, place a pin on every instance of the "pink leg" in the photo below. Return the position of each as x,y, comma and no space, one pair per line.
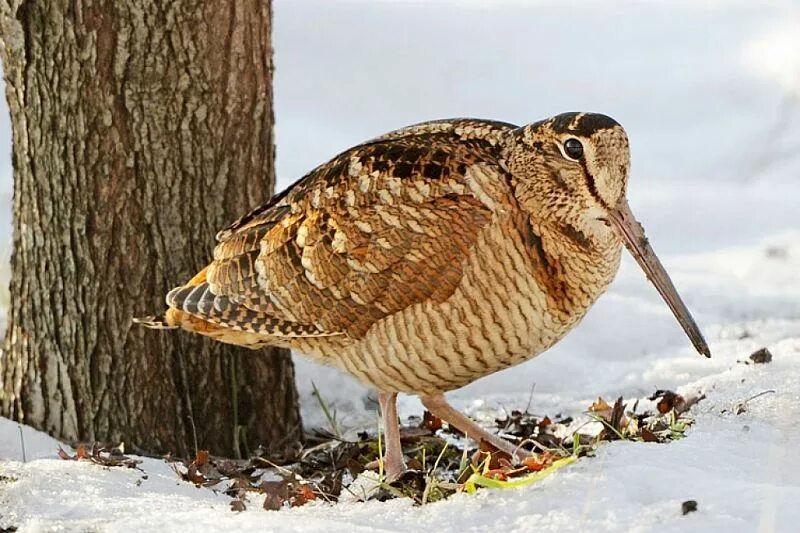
438,406
393,463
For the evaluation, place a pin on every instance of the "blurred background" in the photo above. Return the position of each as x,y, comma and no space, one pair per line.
709,92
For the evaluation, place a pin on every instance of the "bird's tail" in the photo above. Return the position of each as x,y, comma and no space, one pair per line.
174,318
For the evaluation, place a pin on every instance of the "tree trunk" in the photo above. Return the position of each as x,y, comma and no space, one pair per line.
140,129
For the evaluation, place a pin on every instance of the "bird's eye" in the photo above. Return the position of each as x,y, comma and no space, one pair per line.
573,148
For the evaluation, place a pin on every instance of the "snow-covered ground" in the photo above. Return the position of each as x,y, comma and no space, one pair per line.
710,95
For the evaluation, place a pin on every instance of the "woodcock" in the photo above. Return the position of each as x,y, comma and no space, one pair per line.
429,257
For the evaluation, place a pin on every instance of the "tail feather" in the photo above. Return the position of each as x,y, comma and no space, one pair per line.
177,319
199,301
194,307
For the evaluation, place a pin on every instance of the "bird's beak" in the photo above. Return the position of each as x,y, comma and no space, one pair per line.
632,233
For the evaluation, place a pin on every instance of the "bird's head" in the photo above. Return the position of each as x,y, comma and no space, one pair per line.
571,171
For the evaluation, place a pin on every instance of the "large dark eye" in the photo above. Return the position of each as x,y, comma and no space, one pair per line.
573,148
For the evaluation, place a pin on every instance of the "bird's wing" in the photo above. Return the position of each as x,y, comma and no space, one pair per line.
382,226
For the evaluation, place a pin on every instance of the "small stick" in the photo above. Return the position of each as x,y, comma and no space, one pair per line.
762,393
741,407
530,396
22,444
194,433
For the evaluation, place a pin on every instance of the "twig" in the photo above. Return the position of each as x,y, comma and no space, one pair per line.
22,444
530,396
235,401
194,434
762,393
536,443
330,418
136,450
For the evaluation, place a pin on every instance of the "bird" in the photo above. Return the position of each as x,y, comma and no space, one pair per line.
429,257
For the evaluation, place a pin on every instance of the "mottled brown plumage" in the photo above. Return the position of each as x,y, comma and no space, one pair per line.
431,256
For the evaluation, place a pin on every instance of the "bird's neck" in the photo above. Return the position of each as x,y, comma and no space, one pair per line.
572,265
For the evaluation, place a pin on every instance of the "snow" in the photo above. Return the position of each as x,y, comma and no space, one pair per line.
709,94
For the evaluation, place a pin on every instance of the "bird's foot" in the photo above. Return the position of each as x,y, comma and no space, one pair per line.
392,470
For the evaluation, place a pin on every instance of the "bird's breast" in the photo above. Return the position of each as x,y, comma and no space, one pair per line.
519,294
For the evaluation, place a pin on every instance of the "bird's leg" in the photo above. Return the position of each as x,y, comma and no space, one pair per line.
394,466
438,406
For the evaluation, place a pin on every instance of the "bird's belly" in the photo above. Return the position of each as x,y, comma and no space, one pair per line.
497,317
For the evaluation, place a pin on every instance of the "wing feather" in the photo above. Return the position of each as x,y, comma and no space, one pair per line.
380,227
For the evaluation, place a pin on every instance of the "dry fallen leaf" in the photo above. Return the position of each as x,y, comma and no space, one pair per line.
668,400
600,407
431,421
201,457
537,464
81,453
649,436
303,494
613,417
277,492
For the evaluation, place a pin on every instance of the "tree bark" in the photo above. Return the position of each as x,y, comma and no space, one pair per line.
140,128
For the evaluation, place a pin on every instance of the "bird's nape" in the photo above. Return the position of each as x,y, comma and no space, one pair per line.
630,230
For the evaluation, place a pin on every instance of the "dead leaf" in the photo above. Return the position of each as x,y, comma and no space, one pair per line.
201,457
600,407
668,400
277,492
303,494
649,436
431,421
537,463
618,419
497,458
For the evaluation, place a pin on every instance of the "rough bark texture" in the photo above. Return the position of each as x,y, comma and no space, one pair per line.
140,128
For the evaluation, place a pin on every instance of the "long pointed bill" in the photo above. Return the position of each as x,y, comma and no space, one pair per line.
634,238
